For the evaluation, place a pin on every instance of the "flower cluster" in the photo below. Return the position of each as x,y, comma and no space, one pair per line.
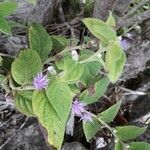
40,81
78,109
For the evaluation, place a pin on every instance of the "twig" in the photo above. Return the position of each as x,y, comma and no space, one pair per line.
7,55
132,11
7,141
68,49
133,92
138,19
24,123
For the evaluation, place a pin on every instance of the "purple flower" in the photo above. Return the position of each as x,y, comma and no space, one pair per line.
86,116
40,81
79,110
125,43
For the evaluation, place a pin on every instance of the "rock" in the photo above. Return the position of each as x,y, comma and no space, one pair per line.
17,135
15,44
42,12
73,146
137,57
121,7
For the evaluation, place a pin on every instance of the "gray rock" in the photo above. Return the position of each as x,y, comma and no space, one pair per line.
137,57
15,44
73,146
42,12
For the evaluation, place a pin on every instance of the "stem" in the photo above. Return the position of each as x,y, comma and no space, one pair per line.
111,130
67,49
106,125
21,88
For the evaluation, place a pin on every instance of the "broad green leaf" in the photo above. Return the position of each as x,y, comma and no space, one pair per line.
40,41
49,118
111,20
118,145
74,88
4,26
114,61
59,43
1,61
26,66
139,146
60,96
99,89
100,29
23,102
91,128
85,53
72,71
91,69
129,132
7,8
109,114
26,94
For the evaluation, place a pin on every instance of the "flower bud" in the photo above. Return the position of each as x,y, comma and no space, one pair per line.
74,55
51,70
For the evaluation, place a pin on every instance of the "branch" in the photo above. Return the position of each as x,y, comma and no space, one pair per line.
137,19
132,11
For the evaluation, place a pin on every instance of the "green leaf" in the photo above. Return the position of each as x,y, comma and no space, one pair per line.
129,132
91,128
59,43
100,88
85,53
139,146
40,41
72,71
48,115
60,96
111,20
91,69
23,102
100,29
4,26
114,61
109,114
26,66
74,88
7,8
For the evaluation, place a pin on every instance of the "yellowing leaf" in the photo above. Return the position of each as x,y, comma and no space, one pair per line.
49,119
